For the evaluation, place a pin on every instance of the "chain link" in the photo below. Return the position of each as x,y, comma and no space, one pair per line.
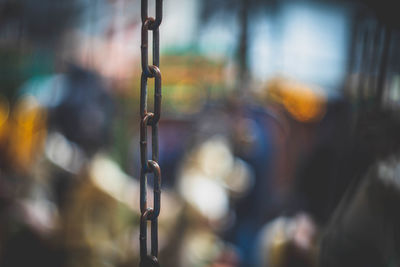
150,119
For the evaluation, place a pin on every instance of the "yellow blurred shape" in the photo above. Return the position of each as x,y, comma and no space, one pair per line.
304,103
27,132
4,111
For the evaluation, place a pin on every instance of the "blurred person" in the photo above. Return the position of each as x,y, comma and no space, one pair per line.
341,166
46,181
314,155
255,131
90,206
55,118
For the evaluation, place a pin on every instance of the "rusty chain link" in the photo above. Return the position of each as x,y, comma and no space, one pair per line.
150,119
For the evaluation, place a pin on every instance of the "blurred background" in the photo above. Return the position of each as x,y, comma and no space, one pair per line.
279,136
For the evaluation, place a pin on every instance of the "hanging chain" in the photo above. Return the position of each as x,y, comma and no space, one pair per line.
150,119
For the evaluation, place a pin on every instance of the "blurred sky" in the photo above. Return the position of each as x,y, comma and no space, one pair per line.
304,40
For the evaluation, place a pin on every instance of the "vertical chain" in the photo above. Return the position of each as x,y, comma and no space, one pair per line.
150,119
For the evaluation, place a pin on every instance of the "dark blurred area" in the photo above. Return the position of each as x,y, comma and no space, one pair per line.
279,141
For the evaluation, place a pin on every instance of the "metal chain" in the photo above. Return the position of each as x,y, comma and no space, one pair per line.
150,119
